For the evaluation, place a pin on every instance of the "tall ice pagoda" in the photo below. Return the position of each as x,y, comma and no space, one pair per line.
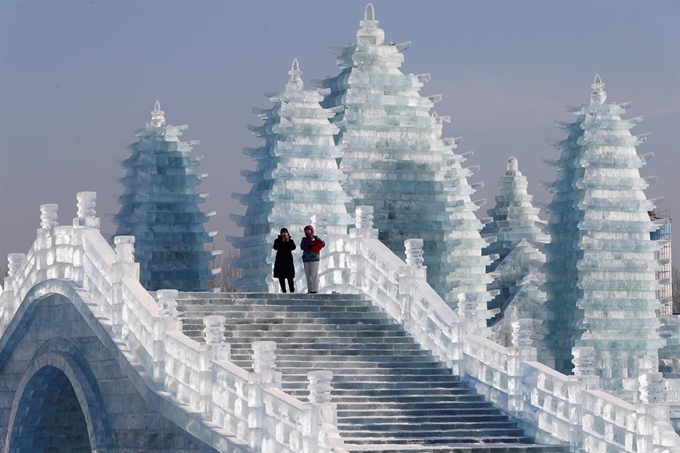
397,162
159,207
297,177
600,266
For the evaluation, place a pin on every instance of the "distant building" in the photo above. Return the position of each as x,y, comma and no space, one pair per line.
665,274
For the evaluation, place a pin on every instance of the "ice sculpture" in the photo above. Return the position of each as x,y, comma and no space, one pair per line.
519,278
600,267
398,163
297,177
514,221
159,207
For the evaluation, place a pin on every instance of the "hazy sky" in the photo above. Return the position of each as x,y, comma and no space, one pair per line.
77,78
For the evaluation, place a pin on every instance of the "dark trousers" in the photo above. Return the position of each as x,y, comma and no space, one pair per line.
282,282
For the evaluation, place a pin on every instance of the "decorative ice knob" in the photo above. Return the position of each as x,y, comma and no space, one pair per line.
14,261
364,217
414,252
264,356
87,214
651,387
584,361
125,249
214,329
167,303
48,215
320,386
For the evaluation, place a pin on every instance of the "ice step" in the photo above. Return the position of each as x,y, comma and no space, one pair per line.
391,395
417,437
457,448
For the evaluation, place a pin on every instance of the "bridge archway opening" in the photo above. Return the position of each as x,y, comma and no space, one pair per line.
49,418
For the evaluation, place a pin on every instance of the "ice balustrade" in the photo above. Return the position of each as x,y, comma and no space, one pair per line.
229,399
549,405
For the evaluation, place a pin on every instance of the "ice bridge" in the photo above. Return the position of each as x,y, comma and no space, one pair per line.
90,361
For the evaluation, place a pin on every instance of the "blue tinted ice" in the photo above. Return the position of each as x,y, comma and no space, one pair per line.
159,207
297,176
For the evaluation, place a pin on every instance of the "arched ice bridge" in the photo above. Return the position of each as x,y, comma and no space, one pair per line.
91,362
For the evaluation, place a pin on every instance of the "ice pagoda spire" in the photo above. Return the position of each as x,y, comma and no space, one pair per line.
514,220
600,266
297,176
157,115
159,207
397,162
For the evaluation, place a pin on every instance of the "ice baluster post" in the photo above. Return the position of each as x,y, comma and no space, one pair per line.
49,215
14,261
584,378
650,409
263,376
214,348
166,321
87,213
125,267
363,216
414,269
521,351
467,311
319,428
125,248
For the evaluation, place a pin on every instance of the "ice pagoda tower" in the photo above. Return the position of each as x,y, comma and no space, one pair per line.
514,221
159,207
398,163
600,266
297,177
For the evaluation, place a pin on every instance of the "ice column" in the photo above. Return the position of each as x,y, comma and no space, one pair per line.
297,177
159,207
397,162
600,267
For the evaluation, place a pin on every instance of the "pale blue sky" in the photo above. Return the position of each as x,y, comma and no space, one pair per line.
78,77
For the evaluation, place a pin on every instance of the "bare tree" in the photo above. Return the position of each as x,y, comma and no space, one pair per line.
675,289
222,280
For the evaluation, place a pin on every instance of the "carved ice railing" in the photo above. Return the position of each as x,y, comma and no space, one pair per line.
250,406
550,406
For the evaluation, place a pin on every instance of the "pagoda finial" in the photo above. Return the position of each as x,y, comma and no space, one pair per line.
513,166
369,12
157,115
295,81
598,96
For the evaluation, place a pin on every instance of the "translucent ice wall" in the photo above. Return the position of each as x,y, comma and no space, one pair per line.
397,162
297,176
600,269
159,207
514,219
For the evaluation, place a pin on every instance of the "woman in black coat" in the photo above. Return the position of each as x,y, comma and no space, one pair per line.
284,269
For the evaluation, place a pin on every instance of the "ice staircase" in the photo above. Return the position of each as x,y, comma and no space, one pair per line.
391,395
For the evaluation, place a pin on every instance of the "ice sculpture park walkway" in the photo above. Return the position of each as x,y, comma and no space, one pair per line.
90,361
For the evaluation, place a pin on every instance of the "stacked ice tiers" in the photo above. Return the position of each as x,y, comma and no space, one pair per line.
159,207
514,220
397,162
297,177
600,270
